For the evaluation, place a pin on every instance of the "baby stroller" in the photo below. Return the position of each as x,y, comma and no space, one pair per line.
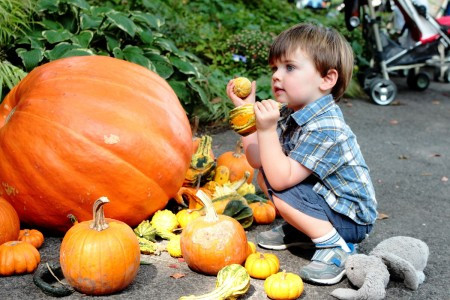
428,48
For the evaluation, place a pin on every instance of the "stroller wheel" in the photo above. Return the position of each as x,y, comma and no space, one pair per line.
382,91
419,81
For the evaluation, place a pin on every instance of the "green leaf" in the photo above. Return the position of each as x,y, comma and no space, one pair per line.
101,11
240,211
51,24
83,39
122,22
79,3
118,53
148,19
32,58
162,65
59,50
50,5
254,198
181,90
201,92
77,52
183,66
56,36
136,55
166,44
111,43
89,22
146,36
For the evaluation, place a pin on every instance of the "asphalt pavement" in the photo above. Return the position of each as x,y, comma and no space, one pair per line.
407,147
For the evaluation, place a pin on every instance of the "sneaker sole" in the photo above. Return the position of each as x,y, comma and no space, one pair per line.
329,281
284,247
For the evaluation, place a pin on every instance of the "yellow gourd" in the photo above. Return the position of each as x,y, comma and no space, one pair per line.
184,216
173,247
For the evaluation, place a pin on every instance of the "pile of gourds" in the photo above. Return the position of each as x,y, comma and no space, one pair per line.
228,181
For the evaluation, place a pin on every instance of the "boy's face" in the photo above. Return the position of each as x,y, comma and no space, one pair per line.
295,80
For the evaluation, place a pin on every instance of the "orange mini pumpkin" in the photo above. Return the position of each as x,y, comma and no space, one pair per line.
17,257
213,241
263,213
33,236
101,256
237,163
262,265
9,222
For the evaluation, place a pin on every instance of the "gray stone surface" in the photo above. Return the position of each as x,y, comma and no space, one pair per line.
407,148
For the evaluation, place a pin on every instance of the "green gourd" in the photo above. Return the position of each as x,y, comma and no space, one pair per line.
232,282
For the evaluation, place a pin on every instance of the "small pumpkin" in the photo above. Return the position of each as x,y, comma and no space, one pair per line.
242,87
173,247
251,248
185,216
17,257
284,286
9,222
237,163
32,236
263,213
213,241
262,265
101,256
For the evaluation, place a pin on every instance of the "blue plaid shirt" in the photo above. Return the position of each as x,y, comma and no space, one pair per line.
318,138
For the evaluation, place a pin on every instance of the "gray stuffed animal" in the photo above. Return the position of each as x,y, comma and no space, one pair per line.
403,257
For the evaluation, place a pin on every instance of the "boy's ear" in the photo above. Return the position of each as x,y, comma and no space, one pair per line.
329,81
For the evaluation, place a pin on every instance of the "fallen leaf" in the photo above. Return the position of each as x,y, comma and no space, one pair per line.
382,216
177,275
348,104
393,122
436,102
436,155
173,266
397,103
403,157
180,259
444,179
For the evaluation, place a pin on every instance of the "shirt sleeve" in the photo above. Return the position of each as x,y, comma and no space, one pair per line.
317,152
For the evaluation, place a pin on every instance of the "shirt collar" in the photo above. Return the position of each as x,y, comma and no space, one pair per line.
313,109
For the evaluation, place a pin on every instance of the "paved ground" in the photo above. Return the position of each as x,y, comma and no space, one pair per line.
407,148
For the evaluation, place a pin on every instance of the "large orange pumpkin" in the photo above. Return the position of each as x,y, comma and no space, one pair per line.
79,128
9,222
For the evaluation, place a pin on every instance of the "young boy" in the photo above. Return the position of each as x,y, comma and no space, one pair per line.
309,160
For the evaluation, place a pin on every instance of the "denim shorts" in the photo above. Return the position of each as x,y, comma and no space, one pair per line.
303,198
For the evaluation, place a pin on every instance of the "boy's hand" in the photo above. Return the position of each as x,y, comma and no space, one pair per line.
267,113
238,101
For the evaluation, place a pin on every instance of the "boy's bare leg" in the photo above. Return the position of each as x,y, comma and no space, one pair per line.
312,227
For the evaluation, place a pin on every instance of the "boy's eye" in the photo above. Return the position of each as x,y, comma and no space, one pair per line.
290,67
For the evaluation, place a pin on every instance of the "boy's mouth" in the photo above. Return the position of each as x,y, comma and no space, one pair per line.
278,90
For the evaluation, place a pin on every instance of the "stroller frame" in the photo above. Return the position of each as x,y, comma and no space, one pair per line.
430,49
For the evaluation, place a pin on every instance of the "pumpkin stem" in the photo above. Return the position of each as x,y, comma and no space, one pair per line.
99,222
238,150
72,219
211,215
283,275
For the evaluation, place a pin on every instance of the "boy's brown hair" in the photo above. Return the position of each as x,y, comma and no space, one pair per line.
327,48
